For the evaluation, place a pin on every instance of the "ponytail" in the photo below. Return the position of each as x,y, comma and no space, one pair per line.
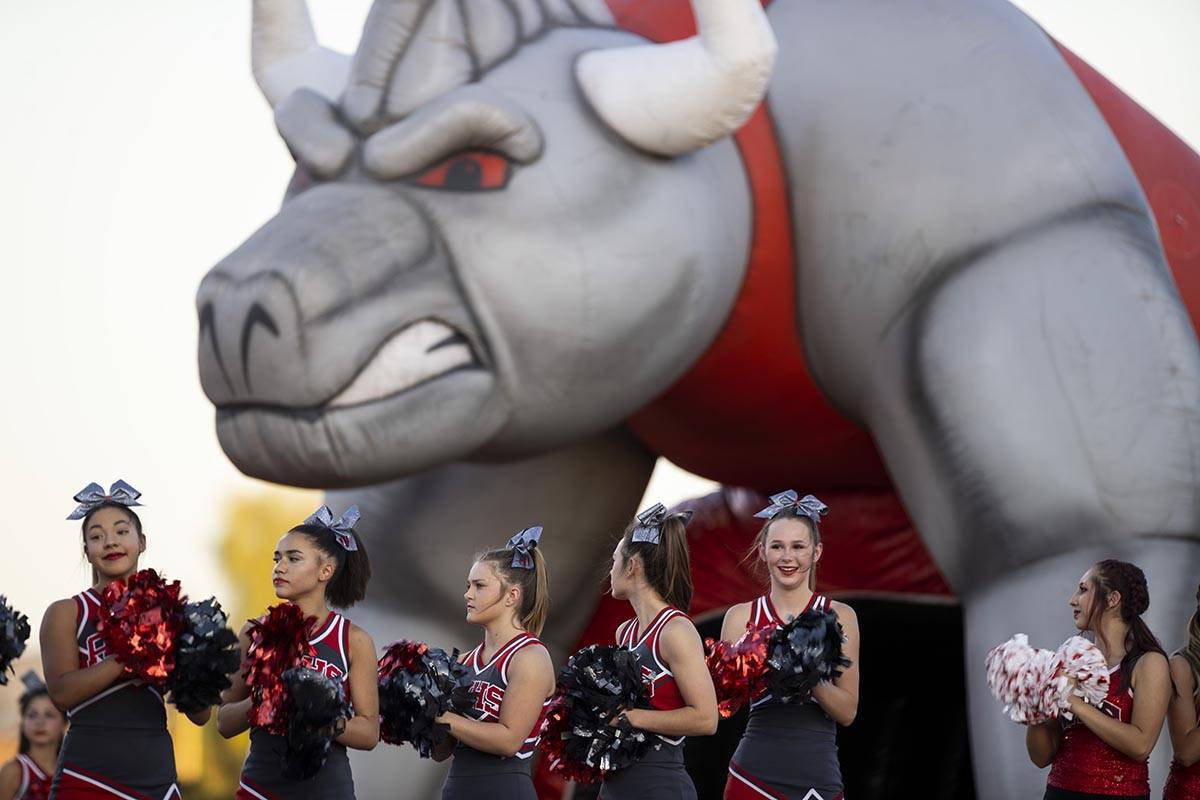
534,583
665,563
1191,651
1128,579
352,572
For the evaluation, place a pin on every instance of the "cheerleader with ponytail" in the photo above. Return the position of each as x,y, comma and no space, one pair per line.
651,569
27,777
117,744
510,672
1103,752
299,725
1183,782
789,749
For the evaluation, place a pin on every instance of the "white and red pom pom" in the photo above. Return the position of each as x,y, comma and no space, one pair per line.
1036,685
1018,675
1083,662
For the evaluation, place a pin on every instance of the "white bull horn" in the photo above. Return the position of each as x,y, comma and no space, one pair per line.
285,56
673,98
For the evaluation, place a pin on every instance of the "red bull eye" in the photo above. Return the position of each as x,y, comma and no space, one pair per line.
472,171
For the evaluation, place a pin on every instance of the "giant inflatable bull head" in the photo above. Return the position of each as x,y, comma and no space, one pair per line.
531,245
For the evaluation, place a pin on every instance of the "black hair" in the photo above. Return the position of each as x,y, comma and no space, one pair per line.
666,564
353,570
83,526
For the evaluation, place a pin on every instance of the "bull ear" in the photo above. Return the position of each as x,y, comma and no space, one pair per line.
670,99
285,55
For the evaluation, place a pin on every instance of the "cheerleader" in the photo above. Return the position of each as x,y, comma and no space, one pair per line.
650,569
1183,782
1103,752
512,678
117,744
319,563
27,777
789,750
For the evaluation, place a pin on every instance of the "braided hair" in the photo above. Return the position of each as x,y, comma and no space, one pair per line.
1191,651
1111,575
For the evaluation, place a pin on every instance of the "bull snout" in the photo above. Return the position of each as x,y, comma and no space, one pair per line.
344,297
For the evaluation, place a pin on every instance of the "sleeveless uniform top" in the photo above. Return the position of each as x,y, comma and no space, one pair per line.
664,693
117,743
35,784
789,750
660,775
1086,764
488,683
1183,783
262,777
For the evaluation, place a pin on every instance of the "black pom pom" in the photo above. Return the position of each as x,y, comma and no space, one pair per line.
205,656
803,653
317,710
595,686
14,632
417,684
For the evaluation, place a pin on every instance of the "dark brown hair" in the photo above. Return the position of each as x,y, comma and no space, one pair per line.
760,540
134,519
1110,576
25,701
666,564
534,583
353,567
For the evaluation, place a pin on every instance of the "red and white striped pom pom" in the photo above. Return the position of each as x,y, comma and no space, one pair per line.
1017,674
1082,660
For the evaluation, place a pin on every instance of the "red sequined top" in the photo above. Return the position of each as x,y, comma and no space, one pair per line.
1183,783
1084,763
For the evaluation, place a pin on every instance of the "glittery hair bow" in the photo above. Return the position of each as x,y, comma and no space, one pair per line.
342,527
789,501
92,496
522,544
32,682
649,523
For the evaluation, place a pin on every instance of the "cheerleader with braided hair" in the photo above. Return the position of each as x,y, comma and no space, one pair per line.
1183,782
1103,751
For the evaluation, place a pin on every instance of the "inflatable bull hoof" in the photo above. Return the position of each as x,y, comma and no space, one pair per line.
528,248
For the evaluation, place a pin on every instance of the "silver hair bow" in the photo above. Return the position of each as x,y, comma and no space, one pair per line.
32,682
807,506
342,527
92,496
522,544
649,523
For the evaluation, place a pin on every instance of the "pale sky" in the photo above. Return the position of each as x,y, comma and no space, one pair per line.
135,152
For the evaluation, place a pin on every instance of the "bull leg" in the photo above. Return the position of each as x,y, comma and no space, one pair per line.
421,533
1037,408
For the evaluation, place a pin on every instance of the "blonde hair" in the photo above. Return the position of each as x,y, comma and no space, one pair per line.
534,583
760,541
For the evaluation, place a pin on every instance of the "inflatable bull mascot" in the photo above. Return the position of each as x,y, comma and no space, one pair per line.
910,256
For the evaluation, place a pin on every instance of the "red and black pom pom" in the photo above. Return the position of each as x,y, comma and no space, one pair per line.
738,670
14,632
316,714
417,684
205,656
141,619
597,684
278,642
803,653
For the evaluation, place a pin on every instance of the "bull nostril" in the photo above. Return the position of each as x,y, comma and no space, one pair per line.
208,325
256,316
